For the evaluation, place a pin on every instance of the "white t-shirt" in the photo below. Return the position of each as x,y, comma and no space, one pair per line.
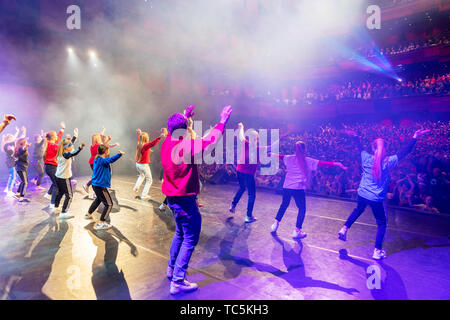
295,177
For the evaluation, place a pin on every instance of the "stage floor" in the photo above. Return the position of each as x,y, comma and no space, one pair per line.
44,258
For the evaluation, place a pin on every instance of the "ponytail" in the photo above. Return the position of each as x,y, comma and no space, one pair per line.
379,148
300,154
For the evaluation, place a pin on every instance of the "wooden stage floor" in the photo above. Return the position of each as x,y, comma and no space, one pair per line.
44,258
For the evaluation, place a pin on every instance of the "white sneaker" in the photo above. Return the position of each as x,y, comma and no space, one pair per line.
298,234
275,225
232,209
144,197
102,226
162,207
47,196
185,286
379,254
88,216
65,215
343,233
250,220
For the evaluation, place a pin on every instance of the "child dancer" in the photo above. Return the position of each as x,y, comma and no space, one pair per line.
181,186
64,174
21,155
374,186
37,159
101,181
9,147
298,174
51,163
143,160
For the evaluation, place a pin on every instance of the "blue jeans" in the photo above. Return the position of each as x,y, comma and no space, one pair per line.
379,212
11,178
188,223
246,181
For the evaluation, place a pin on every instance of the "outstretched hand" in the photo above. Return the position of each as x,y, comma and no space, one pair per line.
340,165
164,132
419,133
189,112
63,125
225,114
7,118
83,145
121,152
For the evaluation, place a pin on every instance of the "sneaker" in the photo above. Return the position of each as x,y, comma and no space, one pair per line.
232,209
86,188
144,197
343,233
169,273
47,196
298,234
250,219
163,207
379,254
185,286
275,225
51,208
88,216
16,195
102,226
21,199
65,215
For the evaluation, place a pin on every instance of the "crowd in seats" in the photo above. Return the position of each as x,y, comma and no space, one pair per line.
420,181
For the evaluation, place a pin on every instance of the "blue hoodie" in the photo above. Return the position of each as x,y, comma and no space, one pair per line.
101,177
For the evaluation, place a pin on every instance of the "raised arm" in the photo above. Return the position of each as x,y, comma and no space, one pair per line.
71,154
327,164
61,132
408,148
7,118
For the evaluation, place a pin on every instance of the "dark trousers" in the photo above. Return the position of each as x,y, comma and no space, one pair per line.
50,170
64,188
246,181
23,175
300,201
188,223
102,196
38,166
379,212
90,181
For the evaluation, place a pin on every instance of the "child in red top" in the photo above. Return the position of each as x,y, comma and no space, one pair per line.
51,164
143,151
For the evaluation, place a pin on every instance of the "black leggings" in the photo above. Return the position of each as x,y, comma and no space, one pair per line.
300,201
102,196
90,181
64,188
379,212
246,181
23,175
50,170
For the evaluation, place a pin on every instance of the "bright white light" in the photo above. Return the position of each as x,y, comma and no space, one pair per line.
92,54
399,80
69,49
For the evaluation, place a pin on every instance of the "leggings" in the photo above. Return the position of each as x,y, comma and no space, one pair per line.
12,174
23,175
144,174
379,212
64,188
50,170
90,181
38,166
300,201
102,196
246,181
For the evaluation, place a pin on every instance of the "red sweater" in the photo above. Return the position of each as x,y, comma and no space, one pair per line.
181,178
145,151
94,152
244,165
52,150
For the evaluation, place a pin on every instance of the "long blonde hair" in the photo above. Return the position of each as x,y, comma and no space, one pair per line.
300,154
379,155
62,146
97,139
143,139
